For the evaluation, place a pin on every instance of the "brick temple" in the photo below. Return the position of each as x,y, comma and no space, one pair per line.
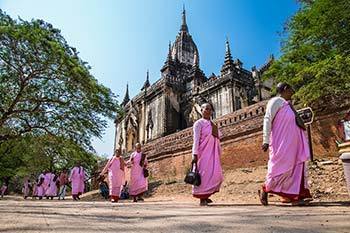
173,102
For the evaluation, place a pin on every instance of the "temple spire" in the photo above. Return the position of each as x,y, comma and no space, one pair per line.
126,97
169,62
228,63
228,56
184,27
146,84
169,52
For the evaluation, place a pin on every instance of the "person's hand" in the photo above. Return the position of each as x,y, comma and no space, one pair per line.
265,147
194,159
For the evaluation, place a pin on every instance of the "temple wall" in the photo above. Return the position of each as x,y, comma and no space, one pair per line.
170,156
222,101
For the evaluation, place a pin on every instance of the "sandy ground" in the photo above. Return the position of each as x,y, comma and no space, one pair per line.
169,207
326,182
169,216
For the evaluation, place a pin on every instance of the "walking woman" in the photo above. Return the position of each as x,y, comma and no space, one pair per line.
52,188
206,153
77,177
115,167
284,134
63,181
40,190
138,181
26,187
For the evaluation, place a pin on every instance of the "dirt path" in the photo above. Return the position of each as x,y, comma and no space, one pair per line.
169,207
326,181
169,216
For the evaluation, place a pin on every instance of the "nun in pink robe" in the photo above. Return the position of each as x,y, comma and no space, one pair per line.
115,167
206,152
40,186
46,183
285,136
77,177
26,187
138,182
52,189
35,189
4,186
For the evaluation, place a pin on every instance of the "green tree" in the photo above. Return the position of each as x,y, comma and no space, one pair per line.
316,51
45,88
30,155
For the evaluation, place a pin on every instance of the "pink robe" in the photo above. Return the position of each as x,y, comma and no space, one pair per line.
138,183
116,176
208,149
77,177
35,190
41,189
3,189
289,151
52,189
26,188
46,183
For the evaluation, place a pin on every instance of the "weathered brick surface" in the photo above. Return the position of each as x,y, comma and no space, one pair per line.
170,156
324,133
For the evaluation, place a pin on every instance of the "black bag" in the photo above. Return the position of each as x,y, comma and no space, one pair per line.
299,122
145,172
142,164
143,158
193,177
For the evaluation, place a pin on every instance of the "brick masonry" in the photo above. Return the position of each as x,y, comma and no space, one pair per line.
169,157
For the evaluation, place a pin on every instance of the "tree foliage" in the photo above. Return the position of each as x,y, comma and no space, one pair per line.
45,88
316,51
29,155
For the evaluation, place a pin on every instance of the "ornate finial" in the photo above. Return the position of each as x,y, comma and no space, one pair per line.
228,63
146,84
169,52
184,27
228,50
126,97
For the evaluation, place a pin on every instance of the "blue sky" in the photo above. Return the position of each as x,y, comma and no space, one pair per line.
122,39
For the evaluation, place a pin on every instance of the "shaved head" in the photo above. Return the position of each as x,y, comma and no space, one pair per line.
207,110
138,147
285,90
118,151
205,105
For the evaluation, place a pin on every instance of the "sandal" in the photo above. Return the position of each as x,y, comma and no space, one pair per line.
299,203
286,200
203,202
263,197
